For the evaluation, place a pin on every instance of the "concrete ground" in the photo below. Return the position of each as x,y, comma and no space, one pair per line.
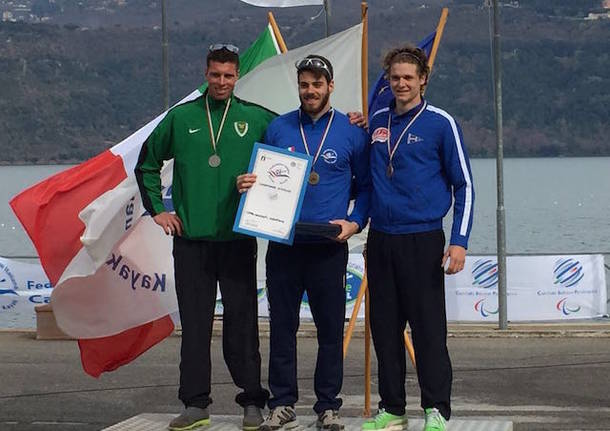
540,377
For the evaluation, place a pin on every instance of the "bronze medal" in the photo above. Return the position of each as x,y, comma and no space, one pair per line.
389,171
314,178
214,161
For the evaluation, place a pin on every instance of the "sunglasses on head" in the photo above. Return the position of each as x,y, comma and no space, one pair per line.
313,63
229,47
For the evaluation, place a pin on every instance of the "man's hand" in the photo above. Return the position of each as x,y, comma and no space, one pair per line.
357,118
348,228
171,223
245,181
457,256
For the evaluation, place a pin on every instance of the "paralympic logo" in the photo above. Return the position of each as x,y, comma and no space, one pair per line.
485,273
567,272
485,311
565,308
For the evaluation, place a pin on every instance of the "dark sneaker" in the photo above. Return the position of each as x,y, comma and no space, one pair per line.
252,418
330,420
191,418
281,417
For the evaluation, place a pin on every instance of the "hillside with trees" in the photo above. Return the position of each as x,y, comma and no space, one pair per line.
90,75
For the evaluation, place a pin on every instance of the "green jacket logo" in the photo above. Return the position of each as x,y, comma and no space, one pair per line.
241,128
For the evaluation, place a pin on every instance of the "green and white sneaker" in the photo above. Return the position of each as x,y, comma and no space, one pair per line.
191,418
385,421
434,420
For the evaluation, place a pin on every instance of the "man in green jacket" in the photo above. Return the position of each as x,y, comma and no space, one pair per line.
210,140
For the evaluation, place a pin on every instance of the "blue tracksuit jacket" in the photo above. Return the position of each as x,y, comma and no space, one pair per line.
430,165
343,156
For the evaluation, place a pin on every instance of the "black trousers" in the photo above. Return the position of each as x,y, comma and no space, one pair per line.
199,266
406,284
319,270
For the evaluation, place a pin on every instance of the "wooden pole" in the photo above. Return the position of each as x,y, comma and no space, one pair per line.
410,348
367,357
365,108
365,65
437,39
276,33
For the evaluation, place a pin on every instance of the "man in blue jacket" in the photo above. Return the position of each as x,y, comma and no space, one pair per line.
314,264
418,164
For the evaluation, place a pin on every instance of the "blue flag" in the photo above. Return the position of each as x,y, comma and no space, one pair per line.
381,95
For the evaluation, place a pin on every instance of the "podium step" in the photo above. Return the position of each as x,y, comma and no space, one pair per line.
159,421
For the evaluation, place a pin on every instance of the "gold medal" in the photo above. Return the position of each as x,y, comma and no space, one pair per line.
314,178
214,161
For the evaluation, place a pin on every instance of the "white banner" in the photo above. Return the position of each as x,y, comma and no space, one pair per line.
22,287
539,288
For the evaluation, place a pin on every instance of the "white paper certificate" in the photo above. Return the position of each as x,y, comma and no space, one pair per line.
272,205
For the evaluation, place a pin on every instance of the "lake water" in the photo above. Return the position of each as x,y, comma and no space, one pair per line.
554,205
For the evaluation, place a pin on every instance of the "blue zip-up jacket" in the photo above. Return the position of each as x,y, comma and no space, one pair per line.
345,154
430,164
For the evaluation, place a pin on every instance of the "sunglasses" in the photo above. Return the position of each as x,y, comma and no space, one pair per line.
313,63
229,47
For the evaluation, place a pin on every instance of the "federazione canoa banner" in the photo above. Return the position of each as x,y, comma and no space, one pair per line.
540,288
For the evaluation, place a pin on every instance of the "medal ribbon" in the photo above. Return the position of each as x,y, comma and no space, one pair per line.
393,151
321,144
213,139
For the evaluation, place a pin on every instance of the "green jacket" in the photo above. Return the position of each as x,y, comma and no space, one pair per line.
205,198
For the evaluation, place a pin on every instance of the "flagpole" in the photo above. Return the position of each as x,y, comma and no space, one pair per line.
164,49
365,108
276,32
327,16
500,211
437,38
365,66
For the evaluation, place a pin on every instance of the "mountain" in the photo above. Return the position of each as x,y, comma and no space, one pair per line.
77,77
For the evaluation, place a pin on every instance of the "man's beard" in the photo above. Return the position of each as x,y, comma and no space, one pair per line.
319,108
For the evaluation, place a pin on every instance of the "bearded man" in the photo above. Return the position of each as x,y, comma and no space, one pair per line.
314,264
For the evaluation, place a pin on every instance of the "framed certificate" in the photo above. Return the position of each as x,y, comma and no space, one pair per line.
270,208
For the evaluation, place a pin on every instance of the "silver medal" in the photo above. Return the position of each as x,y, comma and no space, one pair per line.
214,161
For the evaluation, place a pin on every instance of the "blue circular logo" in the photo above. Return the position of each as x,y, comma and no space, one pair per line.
8,289
567,272
485,273
329,156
